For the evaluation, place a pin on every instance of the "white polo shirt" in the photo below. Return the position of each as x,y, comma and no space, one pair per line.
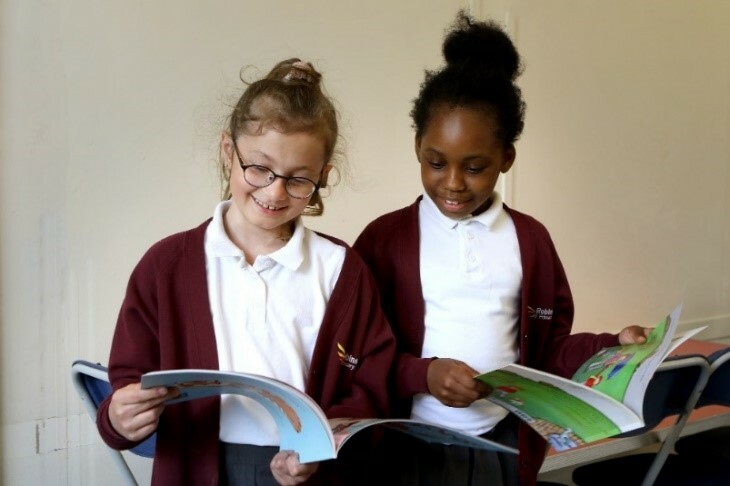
471,275
266,316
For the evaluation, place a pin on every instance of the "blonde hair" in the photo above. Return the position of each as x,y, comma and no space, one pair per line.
290,99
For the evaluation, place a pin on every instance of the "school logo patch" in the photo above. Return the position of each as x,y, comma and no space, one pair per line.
347,360
539,313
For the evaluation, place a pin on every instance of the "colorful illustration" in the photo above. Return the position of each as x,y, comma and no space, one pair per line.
609,362
554,412
593,380
563,441
612,369
245,389
604,398
298,418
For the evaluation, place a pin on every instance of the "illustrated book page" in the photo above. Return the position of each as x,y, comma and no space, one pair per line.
302,425
604,397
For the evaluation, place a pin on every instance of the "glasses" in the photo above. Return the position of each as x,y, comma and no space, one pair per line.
260,176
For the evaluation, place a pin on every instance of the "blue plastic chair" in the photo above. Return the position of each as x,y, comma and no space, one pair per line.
91,381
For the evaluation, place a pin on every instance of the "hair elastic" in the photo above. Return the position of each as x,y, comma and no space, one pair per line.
301,71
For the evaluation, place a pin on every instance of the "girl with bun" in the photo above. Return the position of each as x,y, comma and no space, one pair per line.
252,289
467,283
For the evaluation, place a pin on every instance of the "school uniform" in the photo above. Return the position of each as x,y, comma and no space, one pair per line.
166,323
390,245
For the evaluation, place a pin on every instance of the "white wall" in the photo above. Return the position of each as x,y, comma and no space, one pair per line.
110,113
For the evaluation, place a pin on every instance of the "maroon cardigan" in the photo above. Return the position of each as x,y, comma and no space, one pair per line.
390,247
165,323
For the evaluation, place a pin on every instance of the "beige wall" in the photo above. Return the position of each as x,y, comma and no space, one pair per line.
626,152
110,113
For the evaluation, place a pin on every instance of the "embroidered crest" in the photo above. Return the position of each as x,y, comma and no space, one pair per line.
539,313
347,360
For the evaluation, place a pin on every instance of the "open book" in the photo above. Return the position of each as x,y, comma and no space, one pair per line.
604,397
302,425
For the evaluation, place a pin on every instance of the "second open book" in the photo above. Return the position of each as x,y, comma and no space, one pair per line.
604,398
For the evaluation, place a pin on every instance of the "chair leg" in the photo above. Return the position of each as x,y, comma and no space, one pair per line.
123,467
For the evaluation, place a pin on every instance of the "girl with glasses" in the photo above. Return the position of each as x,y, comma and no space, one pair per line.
469,284
252,289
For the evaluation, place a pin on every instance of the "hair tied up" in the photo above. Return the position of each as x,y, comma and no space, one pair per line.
481,45
302,71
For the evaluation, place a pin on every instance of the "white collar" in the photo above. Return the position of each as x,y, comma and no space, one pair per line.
218,244
488,218
291,255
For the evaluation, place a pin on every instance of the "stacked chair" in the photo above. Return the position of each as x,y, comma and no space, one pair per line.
673,391
704,458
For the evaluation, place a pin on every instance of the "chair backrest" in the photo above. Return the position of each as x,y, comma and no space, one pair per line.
717,390
91,381
675,388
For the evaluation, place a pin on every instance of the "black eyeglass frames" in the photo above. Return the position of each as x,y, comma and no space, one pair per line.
260,176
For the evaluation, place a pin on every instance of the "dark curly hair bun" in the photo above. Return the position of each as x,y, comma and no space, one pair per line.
482,65
483,45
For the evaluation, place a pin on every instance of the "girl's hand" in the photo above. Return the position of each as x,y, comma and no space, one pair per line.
634,334
134,413
452,383
288,471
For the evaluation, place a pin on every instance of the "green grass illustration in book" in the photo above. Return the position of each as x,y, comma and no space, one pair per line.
604,398
611,369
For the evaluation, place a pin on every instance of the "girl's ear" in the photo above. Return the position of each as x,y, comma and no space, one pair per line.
227,149
509,158
323,178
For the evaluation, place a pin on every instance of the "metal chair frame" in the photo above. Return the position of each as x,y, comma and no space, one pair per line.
659,404
91,381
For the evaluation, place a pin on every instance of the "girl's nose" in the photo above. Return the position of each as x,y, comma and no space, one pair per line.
277,189
455,180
